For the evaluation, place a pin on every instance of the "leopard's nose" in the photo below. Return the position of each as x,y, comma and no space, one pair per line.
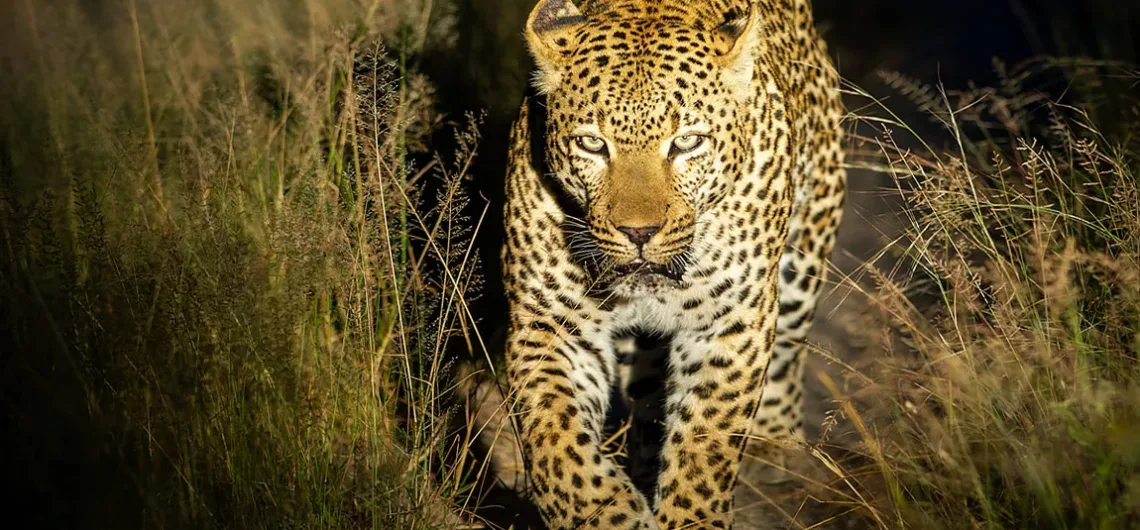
639,235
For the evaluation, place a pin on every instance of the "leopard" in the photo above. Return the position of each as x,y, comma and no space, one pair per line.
676,170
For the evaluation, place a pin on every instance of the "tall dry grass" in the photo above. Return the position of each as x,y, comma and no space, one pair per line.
228,283
1007,391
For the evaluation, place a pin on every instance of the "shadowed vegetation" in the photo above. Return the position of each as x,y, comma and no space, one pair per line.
216,264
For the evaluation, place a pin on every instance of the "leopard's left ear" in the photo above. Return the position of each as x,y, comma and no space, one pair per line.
550,36
742,33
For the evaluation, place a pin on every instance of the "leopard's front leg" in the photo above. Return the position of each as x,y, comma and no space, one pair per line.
714,390
561,382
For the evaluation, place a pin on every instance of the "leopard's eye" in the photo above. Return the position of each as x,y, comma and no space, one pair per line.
688,142
591,144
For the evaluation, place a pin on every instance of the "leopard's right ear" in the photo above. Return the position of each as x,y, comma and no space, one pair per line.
550,33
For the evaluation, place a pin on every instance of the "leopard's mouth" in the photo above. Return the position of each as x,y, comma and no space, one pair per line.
641,267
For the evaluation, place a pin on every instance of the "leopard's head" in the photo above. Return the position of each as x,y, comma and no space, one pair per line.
649,121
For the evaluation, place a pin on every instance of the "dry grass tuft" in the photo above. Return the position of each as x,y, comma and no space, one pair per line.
230,286
1008,394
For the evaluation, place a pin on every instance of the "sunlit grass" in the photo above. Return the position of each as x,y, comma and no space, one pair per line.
216,268
1006,392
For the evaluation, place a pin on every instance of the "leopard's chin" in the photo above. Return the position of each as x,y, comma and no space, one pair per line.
640,268
642,278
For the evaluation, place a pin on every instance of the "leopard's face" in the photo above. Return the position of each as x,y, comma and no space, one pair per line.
648,128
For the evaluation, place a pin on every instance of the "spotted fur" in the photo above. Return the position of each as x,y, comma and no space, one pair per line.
679,172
